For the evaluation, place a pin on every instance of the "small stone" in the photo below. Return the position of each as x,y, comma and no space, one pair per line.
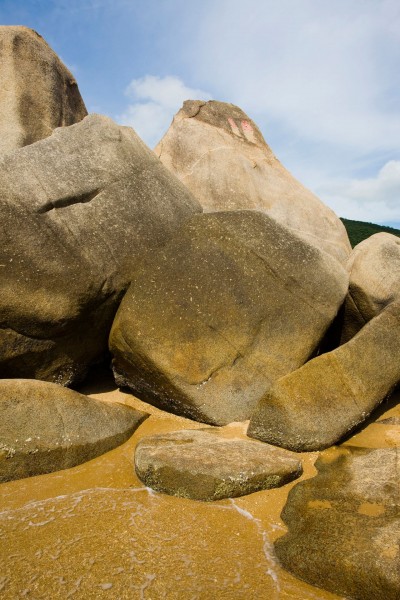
203,465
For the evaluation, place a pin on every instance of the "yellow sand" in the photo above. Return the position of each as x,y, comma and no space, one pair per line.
95,532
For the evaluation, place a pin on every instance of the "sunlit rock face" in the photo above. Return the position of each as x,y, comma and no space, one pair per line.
374,268
78,210
344,525
222,157
233,302
315,406
37,93
45,427
206,466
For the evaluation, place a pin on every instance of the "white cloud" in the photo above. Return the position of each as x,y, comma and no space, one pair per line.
321,79
374,199
327,71
155,101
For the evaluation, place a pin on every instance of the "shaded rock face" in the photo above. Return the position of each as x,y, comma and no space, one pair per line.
37,94
374,268
344,526
45,427
78,210
233,302
202,465
315,406
221,156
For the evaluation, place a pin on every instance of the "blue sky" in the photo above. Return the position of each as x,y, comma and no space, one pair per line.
320,78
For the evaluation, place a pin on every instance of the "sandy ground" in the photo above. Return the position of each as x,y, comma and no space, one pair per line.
95,531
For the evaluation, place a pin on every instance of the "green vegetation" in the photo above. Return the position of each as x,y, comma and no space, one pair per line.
359,231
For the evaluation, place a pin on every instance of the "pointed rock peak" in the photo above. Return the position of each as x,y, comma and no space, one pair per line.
225,116
222,158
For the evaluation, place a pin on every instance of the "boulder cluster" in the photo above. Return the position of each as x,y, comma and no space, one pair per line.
224,291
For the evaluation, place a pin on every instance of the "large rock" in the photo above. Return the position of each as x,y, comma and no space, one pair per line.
315,406
78,210
221,156
45,427
374,268
344,525
37,92
203,465
233,302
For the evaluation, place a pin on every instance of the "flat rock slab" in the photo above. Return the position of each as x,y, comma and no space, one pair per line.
203,465
315,406
233,302
45,427
344,525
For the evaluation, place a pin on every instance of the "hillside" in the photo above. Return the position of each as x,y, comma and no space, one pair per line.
359,230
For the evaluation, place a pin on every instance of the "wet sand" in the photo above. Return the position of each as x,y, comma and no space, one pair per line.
95,532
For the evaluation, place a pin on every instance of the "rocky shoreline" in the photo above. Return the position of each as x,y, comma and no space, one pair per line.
251,352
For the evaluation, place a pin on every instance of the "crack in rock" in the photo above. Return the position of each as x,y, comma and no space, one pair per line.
68,201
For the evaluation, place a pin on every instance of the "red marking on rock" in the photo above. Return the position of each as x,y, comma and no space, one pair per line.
246,126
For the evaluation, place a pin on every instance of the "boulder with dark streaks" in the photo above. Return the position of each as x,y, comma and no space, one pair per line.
344,525
234,301
37,93
77,210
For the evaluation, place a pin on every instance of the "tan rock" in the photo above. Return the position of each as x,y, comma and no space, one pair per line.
45,427
202,465
233,302
221,156
37,92
374,267
344,526
78,210
315,406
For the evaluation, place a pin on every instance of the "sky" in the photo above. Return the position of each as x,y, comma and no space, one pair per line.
320,78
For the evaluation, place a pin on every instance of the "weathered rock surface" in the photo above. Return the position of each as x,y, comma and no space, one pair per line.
233,302
37,92
374,268
315,406
222,157
202,465
344,525
78,210
45,427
